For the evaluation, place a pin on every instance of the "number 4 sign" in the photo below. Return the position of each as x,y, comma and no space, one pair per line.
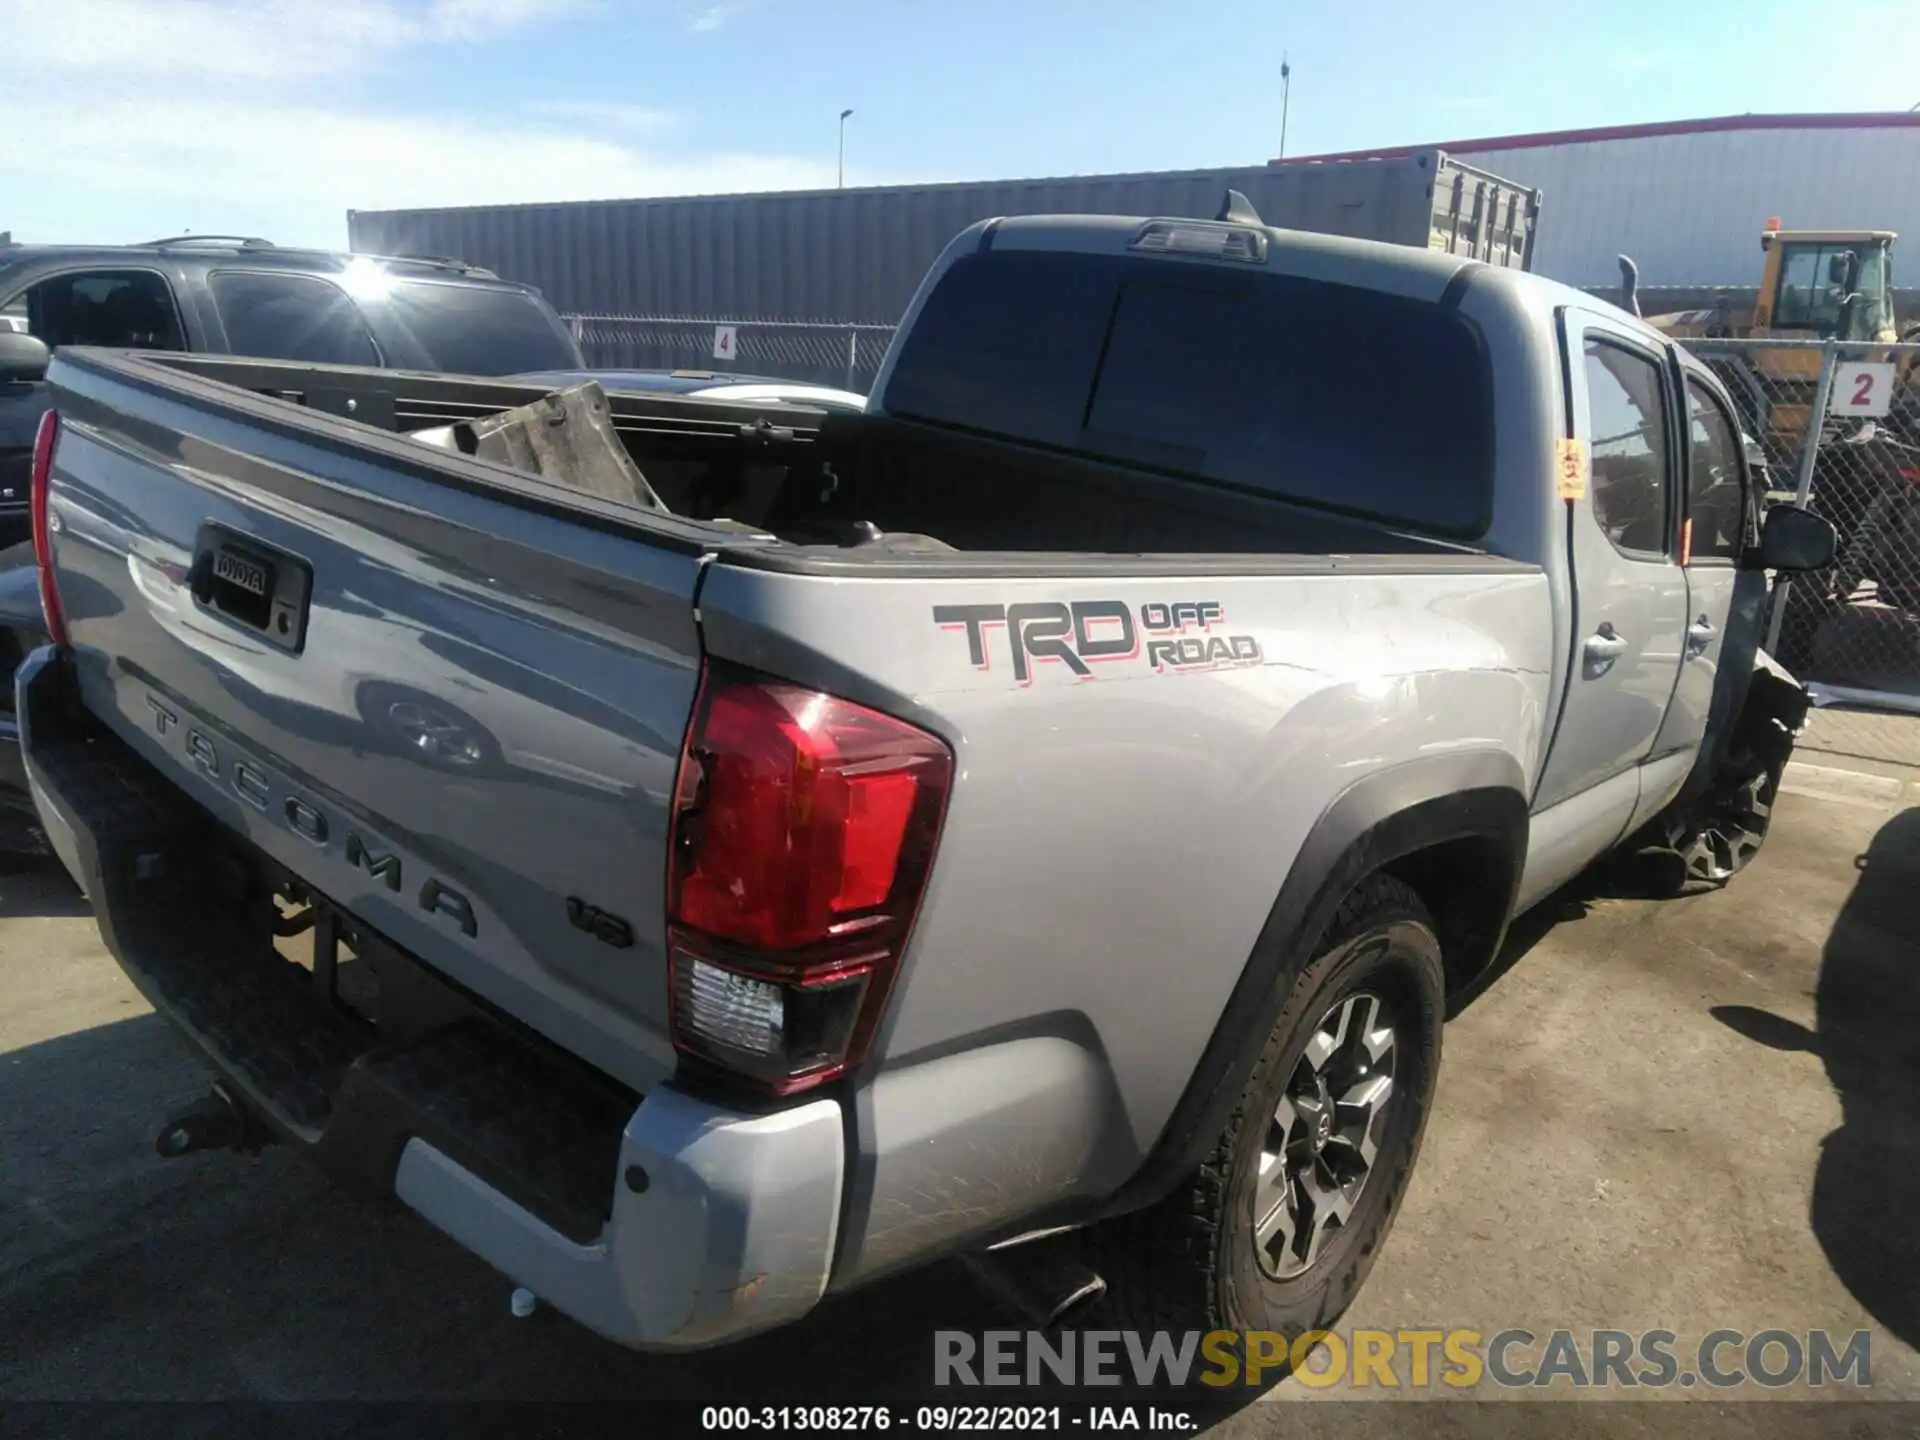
723,342
1861,387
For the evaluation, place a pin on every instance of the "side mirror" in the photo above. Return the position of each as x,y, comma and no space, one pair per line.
23,358
1794,538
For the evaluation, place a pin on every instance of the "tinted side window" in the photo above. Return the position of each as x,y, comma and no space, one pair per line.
291,317
1627,406
469,331
125,309
1716,480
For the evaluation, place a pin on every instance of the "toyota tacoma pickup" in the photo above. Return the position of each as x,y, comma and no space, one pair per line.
1067,796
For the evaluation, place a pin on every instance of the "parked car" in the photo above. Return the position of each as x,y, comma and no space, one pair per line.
1068,797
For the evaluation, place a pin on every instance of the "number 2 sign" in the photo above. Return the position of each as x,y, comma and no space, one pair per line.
1861,387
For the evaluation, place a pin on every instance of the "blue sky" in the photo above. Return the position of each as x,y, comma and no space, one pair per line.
274,116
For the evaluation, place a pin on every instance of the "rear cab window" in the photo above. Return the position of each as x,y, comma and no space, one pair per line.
1326,395
284,316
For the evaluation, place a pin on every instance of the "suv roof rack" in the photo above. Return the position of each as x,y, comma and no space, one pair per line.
443,262
225,242
415,262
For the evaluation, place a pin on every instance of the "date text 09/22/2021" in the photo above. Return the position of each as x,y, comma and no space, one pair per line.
947,1419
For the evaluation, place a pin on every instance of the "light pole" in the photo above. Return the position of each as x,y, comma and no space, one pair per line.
1286,93
841,175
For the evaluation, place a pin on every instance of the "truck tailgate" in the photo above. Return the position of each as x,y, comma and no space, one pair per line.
451,708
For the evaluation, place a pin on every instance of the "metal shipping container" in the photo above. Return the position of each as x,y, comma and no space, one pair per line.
857,255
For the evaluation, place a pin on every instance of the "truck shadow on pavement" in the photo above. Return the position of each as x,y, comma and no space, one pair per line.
1615,878
36,886
222,1276
1866,1191
1570,903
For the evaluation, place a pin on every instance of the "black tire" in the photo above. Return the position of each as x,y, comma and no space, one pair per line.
1711,839
1192,1262
1727,833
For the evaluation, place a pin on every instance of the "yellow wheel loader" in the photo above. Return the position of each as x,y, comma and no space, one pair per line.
1814,285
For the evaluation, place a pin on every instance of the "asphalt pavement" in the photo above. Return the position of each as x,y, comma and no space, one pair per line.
1686,1115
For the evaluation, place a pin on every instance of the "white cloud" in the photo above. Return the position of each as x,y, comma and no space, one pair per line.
158,155
1639,62
274,116
634,119
484,17
712,17
168,41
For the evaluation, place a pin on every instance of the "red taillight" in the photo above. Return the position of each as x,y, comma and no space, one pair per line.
42,478
803,832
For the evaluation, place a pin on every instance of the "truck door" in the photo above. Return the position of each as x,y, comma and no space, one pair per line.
1629,590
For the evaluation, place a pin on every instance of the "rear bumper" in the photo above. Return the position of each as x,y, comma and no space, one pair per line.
669,1223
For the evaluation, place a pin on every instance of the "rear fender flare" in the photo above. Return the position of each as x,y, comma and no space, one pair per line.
1386,816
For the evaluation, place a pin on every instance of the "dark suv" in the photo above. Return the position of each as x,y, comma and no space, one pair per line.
226,295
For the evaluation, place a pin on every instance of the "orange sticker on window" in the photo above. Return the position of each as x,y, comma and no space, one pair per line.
1571,469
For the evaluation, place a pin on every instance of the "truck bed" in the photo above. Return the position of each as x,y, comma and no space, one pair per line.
816,479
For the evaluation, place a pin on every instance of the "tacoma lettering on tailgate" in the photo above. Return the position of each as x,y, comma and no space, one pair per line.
302,817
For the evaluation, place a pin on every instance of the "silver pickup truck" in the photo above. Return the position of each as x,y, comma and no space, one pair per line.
1067,796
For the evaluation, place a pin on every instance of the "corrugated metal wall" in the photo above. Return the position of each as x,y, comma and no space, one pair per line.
1689,207
849,254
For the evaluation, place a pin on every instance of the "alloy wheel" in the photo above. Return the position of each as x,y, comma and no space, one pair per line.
1325,1134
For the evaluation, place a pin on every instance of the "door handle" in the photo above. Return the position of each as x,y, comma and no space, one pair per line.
1700,635
1603,646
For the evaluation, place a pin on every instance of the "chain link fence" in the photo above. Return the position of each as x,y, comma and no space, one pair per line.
1839,424
846,356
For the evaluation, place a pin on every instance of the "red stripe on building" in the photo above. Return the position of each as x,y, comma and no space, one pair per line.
1866,120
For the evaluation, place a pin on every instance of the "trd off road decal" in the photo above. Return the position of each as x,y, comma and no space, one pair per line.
1088,633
